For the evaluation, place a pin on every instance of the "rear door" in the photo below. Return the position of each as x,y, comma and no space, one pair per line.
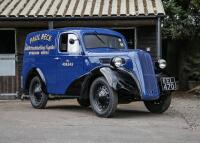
69,61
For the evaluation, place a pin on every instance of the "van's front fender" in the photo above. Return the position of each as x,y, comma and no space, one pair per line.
128,81
117,79
110,76
121,79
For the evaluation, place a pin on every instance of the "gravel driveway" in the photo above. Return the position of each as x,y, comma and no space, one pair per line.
188,107
66,121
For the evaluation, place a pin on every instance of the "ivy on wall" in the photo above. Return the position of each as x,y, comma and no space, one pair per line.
182,23
182,20
192,67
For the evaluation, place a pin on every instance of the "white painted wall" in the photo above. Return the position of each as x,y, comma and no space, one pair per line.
7,64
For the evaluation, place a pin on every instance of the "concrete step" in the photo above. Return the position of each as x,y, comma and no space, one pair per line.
8,96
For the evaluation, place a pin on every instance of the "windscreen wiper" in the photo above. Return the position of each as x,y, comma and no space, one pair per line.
100,39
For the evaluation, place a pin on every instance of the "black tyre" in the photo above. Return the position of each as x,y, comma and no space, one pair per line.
160,105
83,102
103,98
37,93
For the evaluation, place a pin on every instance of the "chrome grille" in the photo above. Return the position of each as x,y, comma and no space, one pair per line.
150,80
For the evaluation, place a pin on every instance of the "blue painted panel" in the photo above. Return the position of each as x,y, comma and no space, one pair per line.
69,68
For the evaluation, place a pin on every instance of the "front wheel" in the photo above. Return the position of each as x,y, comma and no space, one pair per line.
160,105
38,96
103,98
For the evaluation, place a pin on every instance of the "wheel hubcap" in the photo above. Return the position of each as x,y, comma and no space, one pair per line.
102,97
37,93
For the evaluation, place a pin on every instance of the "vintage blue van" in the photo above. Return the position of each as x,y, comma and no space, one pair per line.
95,66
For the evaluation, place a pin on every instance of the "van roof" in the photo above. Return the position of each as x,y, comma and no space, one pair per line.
78,29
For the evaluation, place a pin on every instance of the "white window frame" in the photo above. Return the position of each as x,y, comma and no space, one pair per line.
10,72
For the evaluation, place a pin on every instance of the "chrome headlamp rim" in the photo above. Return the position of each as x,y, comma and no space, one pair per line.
162,63
117,62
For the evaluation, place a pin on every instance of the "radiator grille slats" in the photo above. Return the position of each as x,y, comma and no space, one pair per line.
150,80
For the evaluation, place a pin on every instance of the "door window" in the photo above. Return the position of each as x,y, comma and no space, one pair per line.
69,43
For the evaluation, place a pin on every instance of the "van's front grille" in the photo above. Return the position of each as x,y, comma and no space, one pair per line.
146,63
150,80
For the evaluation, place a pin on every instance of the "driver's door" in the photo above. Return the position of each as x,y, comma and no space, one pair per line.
70,61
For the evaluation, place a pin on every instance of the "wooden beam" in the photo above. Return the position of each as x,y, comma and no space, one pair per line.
50,24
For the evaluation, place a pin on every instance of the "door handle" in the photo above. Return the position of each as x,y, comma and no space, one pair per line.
56,58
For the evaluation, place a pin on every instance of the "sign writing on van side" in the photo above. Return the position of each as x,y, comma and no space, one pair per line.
39,50
67,63
45,37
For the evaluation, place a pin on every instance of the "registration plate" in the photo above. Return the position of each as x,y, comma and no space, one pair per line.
168,83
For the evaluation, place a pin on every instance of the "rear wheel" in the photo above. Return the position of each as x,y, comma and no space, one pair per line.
37,93
160,105
103,98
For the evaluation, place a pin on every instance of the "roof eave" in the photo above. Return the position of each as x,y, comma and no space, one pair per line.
82,18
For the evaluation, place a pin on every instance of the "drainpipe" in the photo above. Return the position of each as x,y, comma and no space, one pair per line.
158,38
50,24
136,39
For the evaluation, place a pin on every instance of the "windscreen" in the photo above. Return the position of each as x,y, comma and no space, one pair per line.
103,41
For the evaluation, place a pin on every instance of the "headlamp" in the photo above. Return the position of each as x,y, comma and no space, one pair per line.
117,61
162,63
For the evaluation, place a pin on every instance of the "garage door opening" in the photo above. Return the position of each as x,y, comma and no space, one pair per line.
7,62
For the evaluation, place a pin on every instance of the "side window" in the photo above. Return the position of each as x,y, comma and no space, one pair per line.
63,42
69,43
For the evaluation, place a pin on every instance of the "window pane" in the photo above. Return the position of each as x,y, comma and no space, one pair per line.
63,42
7,41
102,41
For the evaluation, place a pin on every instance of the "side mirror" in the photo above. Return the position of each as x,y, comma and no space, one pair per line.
71,41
